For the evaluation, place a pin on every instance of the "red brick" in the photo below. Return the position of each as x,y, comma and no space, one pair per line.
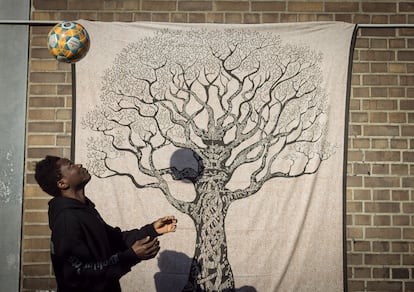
36,243
382,156
380,246
362,245
85,5
36,230
36,284
399,247
379,19
49,5
408,182
381,195
288,17
106,16
354,259
381,131
401,220
400,273
378,7
384,286
361,143
179,17
407,80
407,104
42,152
195,5
409,286
196,18
378,117
215,18
382,259
325,17
233,17
381,273
355,232
47,77
379,91
231,6
271,17
386,207
354,207
35,256
341,6
362,273
354,181
399,169
46,102
355,155
354,285
160,17
305,6
408,260
381,220
363,220
268,6
36,270
387,32
379,43
45,127
397,43
380,80
406,6
400,195
151,5
407,31
362,195
382,182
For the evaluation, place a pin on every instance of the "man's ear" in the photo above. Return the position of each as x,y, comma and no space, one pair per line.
62,184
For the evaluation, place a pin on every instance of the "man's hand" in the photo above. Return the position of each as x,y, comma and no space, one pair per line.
165,224
145,248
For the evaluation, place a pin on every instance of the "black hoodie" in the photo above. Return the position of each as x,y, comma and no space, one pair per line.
88,254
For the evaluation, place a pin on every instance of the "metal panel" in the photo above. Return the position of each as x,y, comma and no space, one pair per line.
13,84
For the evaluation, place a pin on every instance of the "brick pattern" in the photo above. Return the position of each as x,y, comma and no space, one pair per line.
380,197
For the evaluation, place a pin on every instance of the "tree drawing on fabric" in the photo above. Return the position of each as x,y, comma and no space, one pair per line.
245,104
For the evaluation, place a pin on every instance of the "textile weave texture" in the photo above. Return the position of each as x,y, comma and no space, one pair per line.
238,131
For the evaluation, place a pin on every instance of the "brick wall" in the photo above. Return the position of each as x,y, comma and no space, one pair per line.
380,199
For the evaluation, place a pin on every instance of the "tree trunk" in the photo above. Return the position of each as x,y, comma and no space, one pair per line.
210,268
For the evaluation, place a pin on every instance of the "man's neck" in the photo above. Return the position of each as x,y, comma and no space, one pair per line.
77,195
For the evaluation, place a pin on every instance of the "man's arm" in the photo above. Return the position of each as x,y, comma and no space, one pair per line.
77,267
159,227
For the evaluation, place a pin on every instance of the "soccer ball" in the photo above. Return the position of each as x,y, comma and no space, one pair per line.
68,41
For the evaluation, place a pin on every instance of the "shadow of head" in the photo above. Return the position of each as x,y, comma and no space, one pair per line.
174,269
186,166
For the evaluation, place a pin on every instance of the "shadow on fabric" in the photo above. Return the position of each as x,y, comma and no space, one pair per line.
173,275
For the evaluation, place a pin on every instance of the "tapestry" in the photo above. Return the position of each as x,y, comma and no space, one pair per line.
238,131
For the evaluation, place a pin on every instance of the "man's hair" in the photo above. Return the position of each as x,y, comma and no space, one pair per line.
47,174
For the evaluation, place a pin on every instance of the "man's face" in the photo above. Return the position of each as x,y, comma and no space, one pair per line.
73,175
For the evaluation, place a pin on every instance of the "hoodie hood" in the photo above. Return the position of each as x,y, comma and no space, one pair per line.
58,204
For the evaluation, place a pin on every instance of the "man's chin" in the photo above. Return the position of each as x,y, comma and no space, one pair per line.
87,179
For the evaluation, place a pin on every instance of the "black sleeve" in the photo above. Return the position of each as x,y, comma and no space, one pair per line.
72,259
130,236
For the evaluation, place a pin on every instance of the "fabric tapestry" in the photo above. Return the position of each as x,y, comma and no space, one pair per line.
237,130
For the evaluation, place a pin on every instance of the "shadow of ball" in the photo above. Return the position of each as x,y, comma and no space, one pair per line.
186,166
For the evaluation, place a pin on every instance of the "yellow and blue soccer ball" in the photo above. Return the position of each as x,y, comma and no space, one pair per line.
68,41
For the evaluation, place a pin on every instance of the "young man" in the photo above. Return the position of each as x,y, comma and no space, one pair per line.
88,254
